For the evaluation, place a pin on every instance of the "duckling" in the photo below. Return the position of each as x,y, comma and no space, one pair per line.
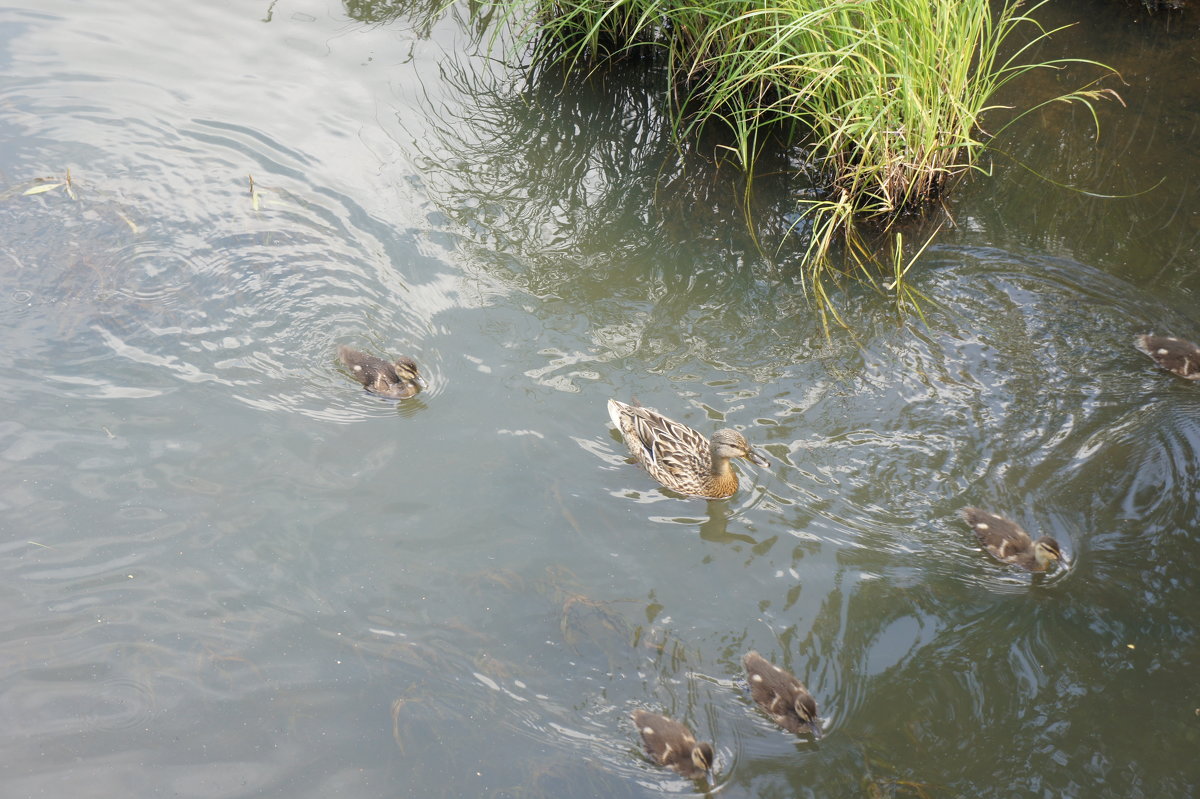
672,744
679,457
398,380
1007,542
1173,354
781,696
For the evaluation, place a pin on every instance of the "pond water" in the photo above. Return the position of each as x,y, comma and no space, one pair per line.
230,572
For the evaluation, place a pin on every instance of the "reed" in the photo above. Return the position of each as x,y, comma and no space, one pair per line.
887,94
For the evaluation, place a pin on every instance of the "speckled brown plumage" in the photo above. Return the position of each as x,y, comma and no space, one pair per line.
1173,354
781,696
672,744
1007,542
679,457
398,380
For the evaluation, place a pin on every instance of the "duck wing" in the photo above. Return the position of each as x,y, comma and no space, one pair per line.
668,742
1173,354
367,369
1004,538
664,445
781,695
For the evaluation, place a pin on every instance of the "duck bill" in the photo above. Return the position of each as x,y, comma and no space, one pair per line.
756,459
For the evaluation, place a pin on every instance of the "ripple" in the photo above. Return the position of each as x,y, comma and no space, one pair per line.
118,704
72,701
292,573
187,276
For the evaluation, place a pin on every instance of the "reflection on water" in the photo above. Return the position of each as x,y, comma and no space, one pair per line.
229,571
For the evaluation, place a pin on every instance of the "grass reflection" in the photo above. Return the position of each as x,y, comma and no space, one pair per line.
559,183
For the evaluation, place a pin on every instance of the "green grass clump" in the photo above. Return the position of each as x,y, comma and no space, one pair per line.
888,94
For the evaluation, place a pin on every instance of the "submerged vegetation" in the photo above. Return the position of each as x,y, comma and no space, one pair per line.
887,95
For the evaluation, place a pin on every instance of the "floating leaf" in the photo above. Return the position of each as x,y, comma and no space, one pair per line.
132,225
43,188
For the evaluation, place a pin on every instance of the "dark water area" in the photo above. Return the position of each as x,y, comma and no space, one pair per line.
230,572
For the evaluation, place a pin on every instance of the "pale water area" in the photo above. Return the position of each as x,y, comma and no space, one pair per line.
230,572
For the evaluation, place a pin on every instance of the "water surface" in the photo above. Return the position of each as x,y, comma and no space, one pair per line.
230,572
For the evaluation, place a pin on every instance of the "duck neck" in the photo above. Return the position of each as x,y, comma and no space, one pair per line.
720,467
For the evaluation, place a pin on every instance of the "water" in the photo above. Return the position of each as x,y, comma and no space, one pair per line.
230,572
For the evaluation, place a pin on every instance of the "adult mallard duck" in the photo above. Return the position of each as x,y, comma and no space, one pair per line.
1173,354
679,457
672,744
1007,542
781,696
398,380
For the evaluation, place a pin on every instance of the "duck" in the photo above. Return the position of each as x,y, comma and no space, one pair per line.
398,380
1008,543
1173,354
670,743
781,696
677,456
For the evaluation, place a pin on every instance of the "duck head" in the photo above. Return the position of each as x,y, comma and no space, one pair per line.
729,443
702,756
1046,551
406,369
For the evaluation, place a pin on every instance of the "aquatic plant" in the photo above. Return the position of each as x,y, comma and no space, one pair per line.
886,94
